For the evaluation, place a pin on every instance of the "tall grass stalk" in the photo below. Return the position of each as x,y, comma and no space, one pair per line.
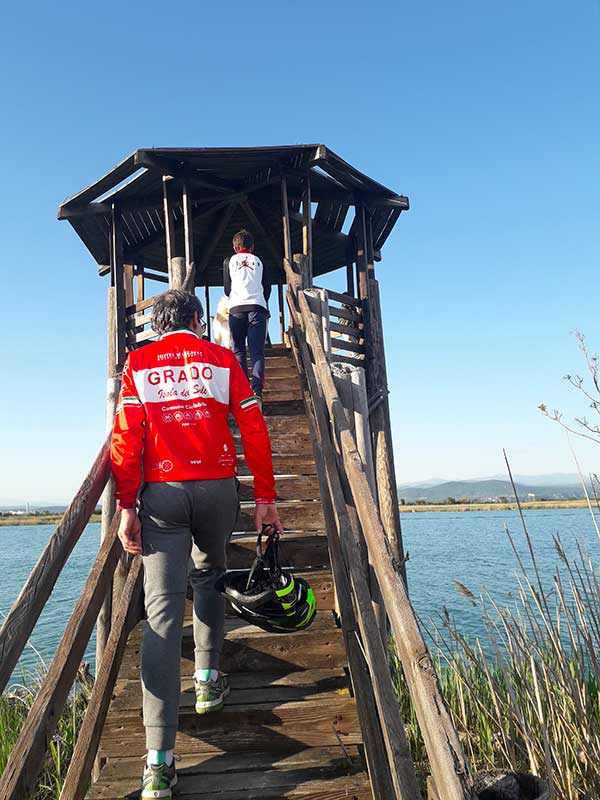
530,698
15,703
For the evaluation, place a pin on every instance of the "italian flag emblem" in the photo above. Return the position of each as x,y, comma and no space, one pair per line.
248,403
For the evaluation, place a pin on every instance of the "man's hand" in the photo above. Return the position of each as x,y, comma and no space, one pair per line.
266,514
130,531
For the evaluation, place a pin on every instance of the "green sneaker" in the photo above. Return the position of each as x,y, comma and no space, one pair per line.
158,781
210,694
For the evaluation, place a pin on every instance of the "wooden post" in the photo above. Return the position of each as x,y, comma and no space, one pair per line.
361,251
307,230
350,278
109,506
177,273
381,429
285,217
169,227
188,235
281,312
377,390
139,283
118,282
326,332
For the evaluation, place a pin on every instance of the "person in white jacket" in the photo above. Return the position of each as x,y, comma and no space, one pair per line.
248,288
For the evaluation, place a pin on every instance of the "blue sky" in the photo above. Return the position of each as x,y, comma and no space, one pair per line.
486,115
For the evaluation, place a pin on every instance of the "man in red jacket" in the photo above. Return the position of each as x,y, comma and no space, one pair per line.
171,432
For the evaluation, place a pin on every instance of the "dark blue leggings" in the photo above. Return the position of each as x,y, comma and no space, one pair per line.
251,325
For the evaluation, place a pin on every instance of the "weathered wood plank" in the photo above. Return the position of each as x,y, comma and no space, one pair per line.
336,789
28,753
346,299
224,763
255,727
305,782
287,443
315,648
28,606
246,689
294,516
294,464
303,487
343,313
303,550
294,423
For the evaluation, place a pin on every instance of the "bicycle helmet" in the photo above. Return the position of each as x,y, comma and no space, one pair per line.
265,595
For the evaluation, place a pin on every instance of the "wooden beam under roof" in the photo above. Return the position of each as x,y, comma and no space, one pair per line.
167,166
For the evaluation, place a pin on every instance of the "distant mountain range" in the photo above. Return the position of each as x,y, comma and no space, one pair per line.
559,486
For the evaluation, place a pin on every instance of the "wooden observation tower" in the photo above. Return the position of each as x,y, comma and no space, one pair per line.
311,715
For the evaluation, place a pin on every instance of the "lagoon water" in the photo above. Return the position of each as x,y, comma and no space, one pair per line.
470,547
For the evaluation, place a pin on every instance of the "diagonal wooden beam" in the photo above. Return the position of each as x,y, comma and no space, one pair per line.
209,250
258,225
167,166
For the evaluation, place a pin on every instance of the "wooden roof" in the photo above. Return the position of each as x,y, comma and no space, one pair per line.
230,188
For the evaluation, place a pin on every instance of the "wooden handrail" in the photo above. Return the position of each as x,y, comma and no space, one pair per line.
27,755
344,549
28,606
82,760
448,763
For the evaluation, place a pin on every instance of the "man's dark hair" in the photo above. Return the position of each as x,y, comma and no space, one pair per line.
174,310
243,240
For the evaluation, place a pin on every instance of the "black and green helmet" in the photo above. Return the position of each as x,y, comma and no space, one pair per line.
268,596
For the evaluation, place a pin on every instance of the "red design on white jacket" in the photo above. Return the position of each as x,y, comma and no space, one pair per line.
172,418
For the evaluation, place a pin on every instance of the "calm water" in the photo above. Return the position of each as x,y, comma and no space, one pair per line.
470,547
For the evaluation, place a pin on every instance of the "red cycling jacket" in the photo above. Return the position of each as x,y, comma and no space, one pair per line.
172,418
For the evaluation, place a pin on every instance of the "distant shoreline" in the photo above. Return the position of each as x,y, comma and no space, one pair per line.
532,504
38,519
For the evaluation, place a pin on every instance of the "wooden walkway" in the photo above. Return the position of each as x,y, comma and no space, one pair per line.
289,728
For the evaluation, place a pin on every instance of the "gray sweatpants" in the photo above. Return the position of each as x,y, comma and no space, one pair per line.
179,519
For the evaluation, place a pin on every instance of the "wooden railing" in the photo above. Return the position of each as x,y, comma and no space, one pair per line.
357,538
27,756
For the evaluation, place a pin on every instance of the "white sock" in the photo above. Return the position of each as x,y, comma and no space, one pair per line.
206,675
157,757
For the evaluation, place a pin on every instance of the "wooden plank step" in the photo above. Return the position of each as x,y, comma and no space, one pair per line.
291,487
247,688
284,393
293,423
285,464
280,727
304,783
247,648
207,764
283,443
303,550
273,407
301,516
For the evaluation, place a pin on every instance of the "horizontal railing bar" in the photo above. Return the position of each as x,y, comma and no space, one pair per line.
82,761
28,606
135,322
141,305
355,362
341,344
346,299
347,330
345,314
27,756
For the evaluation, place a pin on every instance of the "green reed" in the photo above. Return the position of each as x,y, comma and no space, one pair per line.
15,703
529,700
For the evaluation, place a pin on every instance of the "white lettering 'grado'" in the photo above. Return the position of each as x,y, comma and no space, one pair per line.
192,381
